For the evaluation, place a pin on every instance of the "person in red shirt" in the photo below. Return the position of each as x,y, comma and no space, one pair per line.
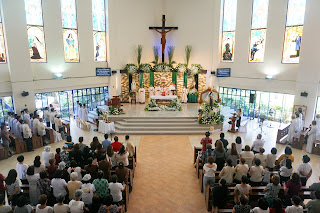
116,144
2,188
57,156
205,141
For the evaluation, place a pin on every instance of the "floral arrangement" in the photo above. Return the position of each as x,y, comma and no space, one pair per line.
115,110
162,67
131,68
146,68
174,105
210,115
195,69
182,68
99,112
193,91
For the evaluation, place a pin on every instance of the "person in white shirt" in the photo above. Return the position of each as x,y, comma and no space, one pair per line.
286,171
88,189
241,169
209,170
116,188
312,136
60,206
256,173
58,184
35,125
247,155
263,206
84,113
19,130
42,131
184,95
142,95
172,89
262,157
22,169
305,170
227,172
296,207
293,129
58,123
76,110
257,144
80,111
47,155
46,116
42,206
52,116
27,135
26,115
76,205
271,159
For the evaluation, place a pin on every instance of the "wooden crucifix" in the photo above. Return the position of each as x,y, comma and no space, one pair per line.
163,31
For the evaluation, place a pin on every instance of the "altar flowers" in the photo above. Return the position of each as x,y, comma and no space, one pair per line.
174,105
210,115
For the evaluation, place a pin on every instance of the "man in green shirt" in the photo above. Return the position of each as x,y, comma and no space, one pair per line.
313,206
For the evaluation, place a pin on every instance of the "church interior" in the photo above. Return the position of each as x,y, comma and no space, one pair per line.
159,106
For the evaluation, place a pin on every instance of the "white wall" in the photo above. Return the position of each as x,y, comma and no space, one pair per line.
199,25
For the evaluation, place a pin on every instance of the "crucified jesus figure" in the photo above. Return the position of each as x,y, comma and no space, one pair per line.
163,33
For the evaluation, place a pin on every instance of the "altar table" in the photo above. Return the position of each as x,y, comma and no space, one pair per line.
163,100
106,128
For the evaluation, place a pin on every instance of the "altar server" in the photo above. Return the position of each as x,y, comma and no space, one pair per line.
35,124
184,95
142,95
80,111
293,129
53,114
172,89
151,91
158,91
46,116
133,86
84,113
76,111
312,134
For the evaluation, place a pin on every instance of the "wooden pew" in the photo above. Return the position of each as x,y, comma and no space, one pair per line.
135,154
21,146
36,141
282,134
299,141
3,153
196,149
49,135
66,127
132,164
316,148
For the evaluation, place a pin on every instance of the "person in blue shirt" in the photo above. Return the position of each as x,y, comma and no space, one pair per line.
106,142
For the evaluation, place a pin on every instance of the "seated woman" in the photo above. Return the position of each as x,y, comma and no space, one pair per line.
76,205
94,143
256,173
305,170
291,188
42,206
99,152
111,156
227,172
286,171
47,155
108,207
122,156
262,157
263,206
38,167
242,189
52,168
122,173
240,170
220,155
233,154
287,153
239,144
91,168
272,189
220,196
271,159
101,185
243,207
209,173
248,155
277,206
116,189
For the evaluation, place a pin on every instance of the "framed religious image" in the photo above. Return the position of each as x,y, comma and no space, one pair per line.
300,108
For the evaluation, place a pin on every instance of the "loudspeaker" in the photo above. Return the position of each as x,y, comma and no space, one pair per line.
213,72
24,93
252,98
114,72
304,94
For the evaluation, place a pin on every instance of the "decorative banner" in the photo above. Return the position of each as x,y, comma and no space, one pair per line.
130,81
141,79
152,78
174,78
196,77
185,79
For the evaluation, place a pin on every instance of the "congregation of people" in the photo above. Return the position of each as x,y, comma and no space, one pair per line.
76,178
245,167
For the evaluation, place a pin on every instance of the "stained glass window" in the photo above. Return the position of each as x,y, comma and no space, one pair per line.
36,40
99,30
294,31
70,30
3,55
258,30
229,27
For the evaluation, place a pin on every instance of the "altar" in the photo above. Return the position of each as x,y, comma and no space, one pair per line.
163,99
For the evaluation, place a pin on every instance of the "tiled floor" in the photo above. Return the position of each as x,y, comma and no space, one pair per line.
165,178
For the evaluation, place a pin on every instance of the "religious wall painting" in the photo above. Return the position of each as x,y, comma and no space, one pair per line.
300,108
257,45
227,51
260,14
99,42
71,45
296,12
37,45
33,10
69,14
292,44
3,55
229,15
98,15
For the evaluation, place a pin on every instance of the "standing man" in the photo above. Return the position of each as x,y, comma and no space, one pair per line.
129,146
293,129
35,124
151,91
205,141
224,141
27,135
257,144
26,116
116,144
184,95
312,136
46,116
76,111
5,139
84,113
142,95
106,142
42,131
52,116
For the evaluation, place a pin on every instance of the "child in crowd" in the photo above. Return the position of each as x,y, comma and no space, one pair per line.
57,155
22,169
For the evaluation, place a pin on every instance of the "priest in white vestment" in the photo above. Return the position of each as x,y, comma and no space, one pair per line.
312,134
151,91
184,95
164,91
80,112
157,90
76,111
84,113
142,95
293,129
171,88
133,86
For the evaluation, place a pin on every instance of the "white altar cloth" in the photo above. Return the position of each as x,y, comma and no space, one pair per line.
167,97
106,128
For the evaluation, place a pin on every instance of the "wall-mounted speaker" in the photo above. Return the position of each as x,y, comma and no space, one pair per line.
114,72
304,94
24,94
213,72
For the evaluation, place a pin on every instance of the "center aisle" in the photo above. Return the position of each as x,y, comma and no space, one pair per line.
165,179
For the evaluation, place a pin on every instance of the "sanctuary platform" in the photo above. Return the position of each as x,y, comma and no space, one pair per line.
136,121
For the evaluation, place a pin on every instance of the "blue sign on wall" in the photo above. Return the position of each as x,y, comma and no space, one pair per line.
223,72
103,71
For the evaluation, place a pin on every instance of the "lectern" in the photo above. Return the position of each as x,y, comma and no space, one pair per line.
233,123
115,101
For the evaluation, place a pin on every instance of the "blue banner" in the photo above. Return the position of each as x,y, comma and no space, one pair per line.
103,71
223,72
